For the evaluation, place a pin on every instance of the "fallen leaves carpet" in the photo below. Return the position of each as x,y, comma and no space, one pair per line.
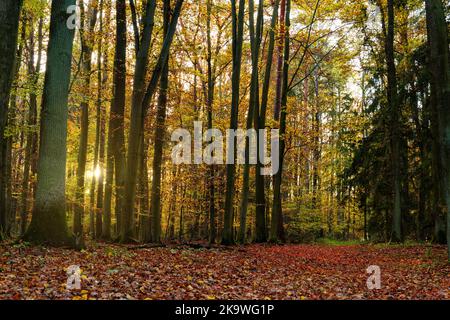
241,272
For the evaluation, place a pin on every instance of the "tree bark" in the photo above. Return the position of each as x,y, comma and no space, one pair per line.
138,111
28,171
9,15
440,88
144,211
260,206
237,41
86,68
158,138
136,123
115,156
210,102
102,78
276,227
278,93
48,223
253,109
394,125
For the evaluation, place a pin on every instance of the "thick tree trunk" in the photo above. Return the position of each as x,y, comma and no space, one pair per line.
440,90
48,223
9,15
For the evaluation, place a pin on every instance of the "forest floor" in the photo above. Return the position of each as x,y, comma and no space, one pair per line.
241,272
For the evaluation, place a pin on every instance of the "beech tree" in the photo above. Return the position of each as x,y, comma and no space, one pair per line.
141,101
86,69
394,108
9,15
115,157
357,90
237,16
440,92
155,204
276,228
48,223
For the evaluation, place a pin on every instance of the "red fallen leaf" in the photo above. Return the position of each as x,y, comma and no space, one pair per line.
16,296
248,272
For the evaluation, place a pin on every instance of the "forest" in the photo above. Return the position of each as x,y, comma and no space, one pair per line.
347,102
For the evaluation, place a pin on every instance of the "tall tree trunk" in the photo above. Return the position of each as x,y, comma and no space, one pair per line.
237,41
316,145
34,111
102,78
138,110
261,232
9,15
12,185
421,144
394,125
48,223
440,88
136,122
115,157
276,227
158,138
436,172
33,72
210,102
253,109
278,93
86,67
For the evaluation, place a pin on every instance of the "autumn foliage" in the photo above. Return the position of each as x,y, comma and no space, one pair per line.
244,272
